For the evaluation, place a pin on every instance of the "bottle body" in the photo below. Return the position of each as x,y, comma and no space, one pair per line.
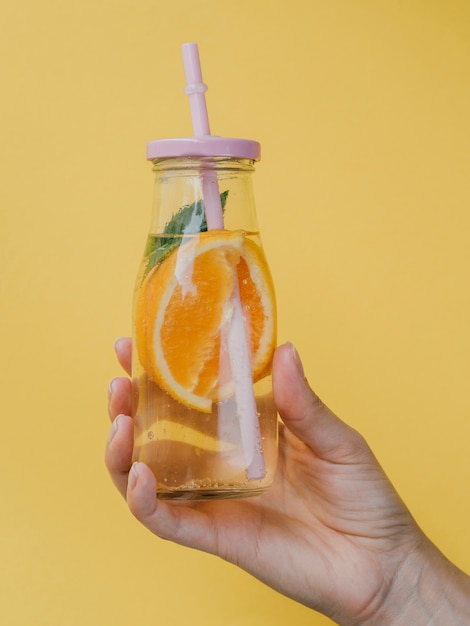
204,336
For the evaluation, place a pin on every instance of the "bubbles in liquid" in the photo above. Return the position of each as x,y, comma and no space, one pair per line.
150,434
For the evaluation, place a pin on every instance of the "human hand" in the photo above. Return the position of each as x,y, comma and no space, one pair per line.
331,532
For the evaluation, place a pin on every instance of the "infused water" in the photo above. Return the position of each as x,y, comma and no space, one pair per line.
190,426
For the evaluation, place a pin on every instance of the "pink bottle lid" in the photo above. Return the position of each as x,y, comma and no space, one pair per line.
203,146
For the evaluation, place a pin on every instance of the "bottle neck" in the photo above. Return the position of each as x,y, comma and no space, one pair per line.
207,187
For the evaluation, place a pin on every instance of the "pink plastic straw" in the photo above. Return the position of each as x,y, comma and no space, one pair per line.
195,90
240,357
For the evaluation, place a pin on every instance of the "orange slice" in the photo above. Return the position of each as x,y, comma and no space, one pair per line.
184,310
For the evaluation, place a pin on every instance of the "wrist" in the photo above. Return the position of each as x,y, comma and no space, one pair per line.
427,590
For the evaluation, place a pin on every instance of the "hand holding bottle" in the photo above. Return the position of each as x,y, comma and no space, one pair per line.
331,532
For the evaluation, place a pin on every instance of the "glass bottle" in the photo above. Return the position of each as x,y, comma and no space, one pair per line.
204,326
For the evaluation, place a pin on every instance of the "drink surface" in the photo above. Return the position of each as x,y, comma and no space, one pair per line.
188,426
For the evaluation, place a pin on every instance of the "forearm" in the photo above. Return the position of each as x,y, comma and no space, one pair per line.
428,591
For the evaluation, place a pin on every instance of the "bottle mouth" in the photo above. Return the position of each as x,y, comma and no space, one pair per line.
204,146
200,164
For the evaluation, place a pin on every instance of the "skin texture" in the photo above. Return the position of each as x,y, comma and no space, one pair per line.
331,533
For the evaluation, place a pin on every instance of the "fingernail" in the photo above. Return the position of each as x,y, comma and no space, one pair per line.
133,476
297,360
111,387
118,341
114,429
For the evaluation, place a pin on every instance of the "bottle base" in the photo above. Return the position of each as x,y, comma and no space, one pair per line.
209,494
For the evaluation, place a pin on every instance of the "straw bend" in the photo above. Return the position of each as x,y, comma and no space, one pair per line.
195,88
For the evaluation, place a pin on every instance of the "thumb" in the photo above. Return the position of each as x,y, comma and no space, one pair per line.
306,416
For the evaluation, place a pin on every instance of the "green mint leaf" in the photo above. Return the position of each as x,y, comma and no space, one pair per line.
188,220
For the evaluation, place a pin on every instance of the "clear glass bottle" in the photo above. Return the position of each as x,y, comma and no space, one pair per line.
204,327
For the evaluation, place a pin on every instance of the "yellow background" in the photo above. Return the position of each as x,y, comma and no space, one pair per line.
363,197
